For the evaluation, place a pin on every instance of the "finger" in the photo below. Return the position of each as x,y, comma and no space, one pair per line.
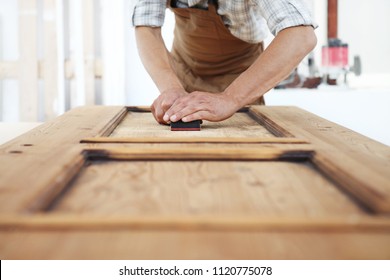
199,115
166,104
166,107
175,107
153,110
158,113
186,105
184,113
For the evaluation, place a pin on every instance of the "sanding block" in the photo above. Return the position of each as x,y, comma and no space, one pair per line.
186,126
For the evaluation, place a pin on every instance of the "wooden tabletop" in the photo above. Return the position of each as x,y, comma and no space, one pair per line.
108,182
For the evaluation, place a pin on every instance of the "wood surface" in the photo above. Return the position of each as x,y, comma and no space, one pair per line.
236,223
320,193
139,124
210,245
349,162
33,163
189,139
200,153
208,188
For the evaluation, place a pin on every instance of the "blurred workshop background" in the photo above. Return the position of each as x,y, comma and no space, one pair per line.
59,54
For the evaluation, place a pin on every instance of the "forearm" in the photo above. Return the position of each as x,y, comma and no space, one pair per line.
156,58
284,53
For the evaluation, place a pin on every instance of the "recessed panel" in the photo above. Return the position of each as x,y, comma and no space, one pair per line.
143,124
234,188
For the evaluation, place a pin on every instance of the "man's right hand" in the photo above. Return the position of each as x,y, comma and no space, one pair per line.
165,101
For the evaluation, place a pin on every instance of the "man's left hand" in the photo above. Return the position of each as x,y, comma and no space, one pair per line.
202,106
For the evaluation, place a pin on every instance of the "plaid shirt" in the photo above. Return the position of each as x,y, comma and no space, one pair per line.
248,20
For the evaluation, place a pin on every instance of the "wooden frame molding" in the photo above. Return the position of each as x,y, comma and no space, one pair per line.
364,191
44,200
282,135
224,140
193,223
201,153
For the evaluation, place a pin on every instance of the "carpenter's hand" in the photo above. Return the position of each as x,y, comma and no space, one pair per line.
164,102
201,106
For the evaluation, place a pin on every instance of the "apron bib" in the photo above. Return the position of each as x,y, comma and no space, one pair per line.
207,56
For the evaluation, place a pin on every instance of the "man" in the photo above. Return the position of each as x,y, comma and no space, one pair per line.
217,64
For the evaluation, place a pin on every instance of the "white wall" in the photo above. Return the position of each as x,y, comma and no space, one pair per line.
9,19
8,51
365,27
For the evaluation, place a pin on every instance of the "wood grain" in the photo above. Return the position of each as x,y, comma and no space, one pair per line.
350,160
142,125
158,222
169,245
274,127
225,140
188,187
325,197
33,187
200,153
310,126
41,158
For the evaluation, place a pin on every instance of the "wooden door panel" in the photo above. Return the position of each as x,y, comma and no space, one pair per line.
137,125
143,124
235,188
269,176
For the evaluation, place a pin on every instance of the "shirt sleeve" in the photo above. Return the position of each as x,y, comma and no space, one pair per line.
148,13
281,14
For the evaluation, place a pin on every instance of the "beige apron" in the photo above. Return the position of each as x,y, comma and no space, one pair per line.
207,56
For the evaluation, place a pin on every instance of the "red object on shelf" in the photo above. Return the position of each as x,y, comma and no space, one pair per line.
335,54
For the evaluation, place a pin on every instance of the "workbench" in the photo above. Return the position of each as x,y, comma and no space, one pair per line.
107,182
